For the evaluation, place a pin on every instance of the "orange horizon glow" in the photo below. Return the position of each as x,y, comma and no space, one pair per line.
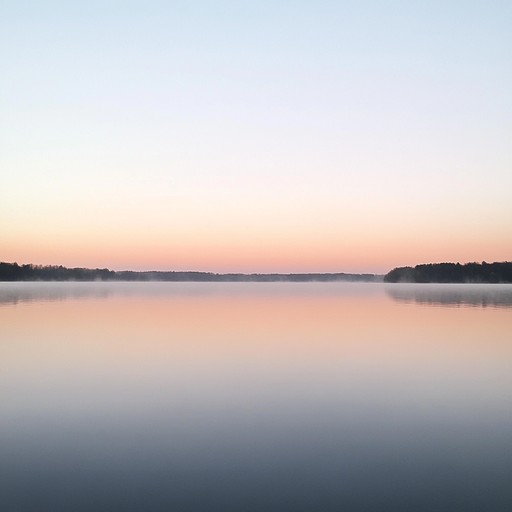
249,261
286,237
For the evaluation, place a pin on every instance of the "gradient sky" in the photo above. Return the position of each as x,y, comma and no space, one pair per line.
255,136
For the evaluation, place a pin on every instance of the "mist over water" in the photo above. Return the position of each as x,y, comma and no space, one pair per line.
458,295
255,396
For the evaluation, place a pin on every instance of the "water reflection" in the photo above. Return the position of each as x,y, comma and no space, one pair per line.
459,295
259,396
12,293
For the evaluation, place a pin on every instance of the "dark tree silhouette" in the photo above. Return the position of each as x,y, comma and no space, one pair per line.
498,272
15,272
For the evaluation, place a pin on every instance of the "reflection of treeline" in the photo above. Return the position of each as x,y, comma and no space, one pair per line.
457,295
15,272
500,272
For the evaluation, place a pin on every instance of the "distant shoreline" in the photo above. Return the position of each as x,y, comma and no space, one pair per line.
485,273
10,272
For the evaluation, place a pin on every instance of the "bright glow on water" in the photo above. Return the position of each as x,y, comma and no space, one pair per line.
260,396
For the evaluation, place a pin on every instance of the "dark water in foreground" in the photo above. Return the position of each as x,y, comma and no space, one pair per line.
260,396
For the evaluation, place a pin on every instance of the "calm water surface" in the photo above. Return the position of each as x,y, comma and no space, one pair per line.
255,397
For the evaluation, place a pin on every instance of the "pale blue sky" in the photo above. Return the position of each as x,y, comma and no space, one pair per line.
255,117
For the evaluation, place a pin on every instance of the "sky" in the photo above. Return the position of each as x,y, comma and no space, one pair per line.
269,136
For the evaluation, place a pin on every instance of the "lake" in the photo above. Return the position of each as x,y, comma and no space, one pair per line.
255,397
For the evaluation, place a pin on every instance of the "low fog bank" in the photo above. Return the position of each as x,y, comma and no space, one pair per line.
457,295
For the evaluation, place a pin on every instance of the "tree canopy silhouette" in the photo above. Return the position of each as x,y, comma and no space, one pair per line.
29,272
498,272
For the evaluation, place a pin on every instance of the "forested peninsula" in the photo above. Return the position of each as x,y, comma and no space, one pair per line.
29,272
498,272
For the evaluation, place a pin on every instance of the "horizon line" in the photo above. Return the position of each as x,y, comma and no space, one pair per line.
211,272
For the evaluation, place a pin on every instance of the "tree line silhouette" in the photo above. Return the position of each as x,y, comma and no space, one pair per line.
29,272
498,272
